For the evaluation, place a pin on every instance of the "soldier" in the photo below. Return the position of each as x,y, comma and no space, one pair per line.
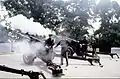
49,47
49,43
84,44
64,46
94,46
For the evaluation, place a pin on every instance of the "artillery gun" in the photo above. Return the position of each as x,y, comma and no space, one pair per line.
56,69
31,74
29,59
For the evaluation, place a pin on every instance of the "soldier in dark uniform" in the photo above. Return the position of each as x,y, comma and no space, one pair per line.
94,46
84,44
49,43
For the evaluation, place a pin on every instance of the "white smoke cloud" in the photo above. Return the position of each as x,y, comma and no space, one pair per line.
21,47
26,25
32,50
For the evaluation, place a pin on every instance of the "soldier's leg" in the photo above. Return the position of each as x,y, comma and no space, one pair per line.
61,60
66,57
62,51
85,50
93,51
65,54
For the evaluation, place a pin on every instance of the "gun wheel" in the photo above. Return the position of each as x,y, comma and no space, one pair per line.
28,59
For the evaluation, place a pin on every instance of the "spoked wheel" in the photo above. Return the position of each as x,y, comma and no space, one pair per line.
96,56
70,52
28,59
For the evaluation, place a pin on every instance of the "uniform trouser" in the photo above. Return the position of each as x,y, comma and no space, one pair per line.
84,50
64,54
94,51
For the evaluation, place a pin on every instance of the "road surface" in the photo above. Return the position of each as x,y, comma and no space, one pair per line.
76,68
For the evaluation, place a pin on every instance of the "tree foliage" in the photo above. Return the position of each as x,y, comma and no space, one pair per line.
110,22
55,14
76,20
72,16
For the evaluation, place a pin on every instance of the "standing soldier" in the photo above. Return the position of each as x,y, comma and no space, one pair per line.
64,46
49,47
94,46
84,43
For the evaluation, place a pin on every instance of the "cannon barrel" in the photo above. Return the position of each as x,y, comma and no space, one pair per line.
34,38
31,74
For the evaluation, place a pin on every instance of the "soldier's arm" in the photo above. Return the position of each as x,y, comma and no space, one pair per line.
45,42
53,42
58,44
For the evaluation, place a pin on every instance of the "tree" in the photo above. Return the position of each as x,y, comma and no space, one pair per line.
109,32
8,34
72,16
76,20
43,11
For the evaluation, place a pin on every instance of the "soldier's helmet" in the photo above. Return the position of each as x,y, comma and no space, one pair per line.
50,35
